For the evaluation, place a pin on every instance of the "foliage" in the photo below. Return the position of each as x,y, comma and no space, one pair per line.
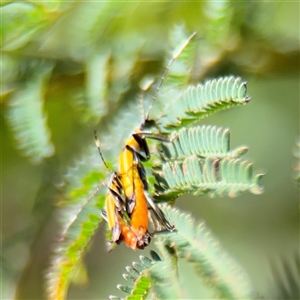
234,176
198,161
203,141
72,243
200,101
26,117
60,58
192,242
226,177
139,283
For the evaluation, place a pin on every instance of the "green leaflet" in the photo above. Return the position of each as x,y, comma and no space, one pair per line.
204,141
93,103
219,177
198,160
164,274
80,217
100,94
160,275
84,219
193,242
139,282
26,115
198,102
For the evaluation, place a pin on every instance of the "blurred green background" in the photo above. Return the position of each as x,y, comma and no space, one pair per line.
69,67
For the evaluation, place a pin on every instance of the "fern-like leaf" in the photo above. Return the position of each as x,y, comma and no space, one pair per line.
139,283
164,274
156,276
95,105
193,242
80,217
200,101
219,177
27,118
100,94
80,223
199,161
204,141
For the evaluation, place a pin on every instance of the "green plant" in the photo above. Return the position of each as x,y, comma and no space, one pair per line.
194,243
71,67
198,160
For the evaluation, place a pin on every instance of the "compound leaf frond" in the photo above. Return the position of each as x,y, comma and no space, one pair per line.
27,118
204,141
79,223
193,242
198,102
138,279
218,177
164,274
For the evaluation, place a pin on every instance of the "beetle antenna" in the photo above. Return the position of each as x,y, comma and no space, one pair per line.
99,150
166,70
